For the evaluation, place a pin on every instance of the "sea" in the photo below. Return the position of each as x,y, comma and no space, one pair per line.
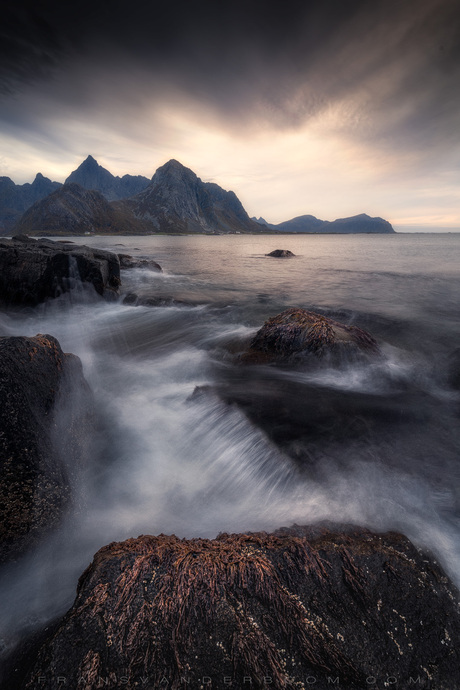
190,441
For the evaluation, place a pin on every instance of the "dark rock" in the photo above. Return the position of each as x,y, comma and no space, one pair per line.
280,253
299,605
127,261
133,300
32,271
454,369
311,423
297,332
44,427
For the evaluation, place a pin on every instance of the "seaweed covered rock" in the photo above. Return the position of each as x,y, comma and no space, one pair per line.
291,609
32,271
45,412
281,253
297,332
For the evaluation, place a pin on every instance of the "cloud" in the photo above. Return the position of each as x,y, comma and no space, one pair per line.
364,90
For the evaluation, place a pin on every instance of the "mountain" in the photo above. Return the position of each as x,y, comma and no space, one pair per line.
15,199
178,201
73,210
360,223
301,224
174,201
91,175
309,224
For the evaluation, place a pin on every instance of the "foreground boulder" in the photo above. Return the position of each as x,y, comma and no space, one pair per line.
280,253
295,608
296,332
45,407
32,271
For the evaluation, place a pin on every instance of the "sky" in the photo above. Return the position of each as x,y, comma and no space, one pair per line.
322,107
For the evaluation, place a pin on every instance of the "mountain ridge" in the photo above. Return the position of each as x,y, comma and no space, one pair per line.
361,223
91,175
175,200
74,210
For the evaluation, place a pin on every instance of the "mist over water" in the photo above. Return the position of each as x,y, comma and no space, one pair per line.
371,443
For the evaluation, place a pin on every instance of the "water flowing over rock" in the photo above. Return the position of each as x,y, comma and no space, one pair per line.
299,606
43,437
128,261
32,271
297,332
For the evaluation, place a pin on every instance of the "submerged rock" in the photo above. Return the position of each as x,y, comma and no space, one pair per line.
297,606
128,261
45,407
282,253
134,300
453,369
32,271
296,332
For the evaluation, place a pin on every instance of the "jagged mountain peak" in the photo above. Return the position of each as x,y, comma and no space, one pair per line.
173,163
177,200
175,170
89,166
89,161
91,175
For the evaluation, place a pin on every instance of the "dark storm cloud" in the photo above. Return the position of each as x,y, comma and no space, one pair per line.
393,65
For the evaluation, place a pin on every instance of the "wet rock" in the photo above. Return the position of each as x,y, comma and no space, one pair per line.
127,261
45,413
32,271
313,424
454,369
134,300
280,253
297,332
278,609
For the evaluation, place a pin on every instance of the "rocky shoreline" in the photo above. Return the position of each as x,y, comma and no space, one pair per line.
304,605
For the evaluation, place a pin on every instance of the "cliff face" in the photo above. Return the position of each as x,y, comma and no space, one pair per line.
258,610
178,201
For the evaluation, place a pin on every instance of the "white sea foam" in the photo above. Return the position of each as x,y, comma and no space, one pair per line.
163,462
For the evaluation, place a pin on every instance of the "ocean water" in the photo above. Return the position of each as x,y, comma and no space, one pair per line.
371,443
